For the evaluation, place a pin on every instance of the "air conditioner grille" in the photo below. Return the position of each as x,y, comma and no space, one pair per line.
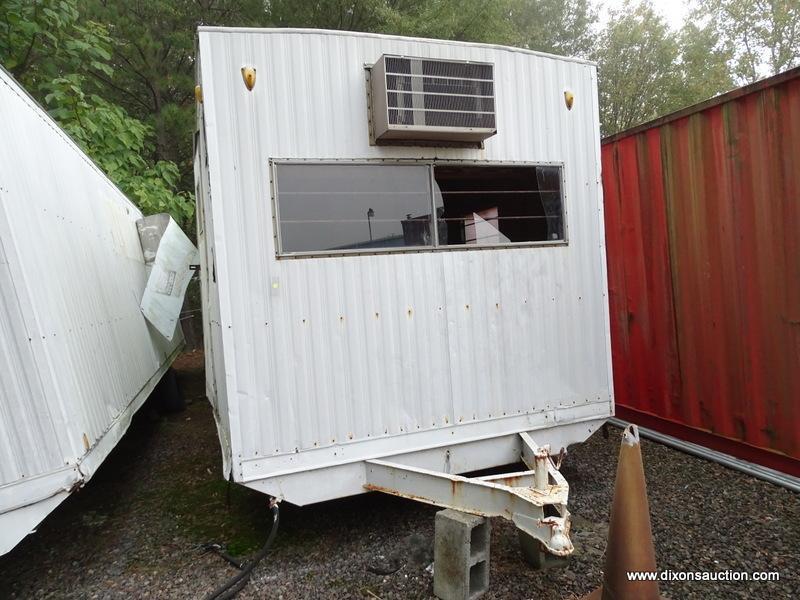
423,95
441,68
440,85
398,65
441,102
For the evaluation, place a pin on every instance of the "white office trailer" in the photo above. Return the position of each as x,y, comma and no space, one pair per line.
77,357
403,267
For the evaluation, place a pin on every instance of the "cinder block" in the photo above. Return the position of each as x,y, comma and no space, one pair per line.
460,555
535,556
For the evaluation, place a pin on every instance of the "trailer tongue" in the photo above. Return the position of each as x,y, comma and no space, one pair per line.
528,498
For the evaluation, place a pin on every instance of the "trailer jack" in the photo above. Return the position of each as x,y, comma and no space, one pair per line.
534,500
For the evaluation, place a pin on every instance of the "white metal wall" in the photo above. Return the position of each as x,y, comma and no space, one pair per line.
327,352
76,355
209,292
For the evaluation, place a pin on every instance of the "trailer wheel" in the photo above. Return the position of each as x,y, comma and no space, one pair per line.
169,397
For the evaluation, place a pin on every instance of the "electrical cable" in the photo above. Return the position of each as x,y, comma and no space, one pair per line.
219,550
236,584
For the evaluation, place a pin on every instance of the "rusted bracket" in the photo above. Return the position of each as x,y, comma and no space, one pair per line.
535,501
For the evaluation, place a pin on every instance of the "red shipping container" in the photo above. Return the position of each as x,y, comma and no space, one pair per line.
702,213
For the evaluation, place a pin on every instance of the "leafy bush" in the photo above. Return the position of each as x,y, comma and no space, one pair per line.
57,57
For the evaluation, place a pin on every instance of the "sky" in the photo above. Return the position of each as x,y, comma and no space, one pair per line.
673,11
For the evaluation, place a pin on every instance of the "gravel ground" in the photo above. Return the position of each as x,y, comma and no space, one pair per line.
134,531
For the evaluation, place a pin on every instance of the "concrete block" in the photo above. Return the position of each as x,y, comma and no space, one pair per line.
535,556
461,555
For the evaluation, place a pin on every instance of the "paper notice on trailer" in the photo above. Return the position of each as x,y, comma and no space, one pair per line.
169,255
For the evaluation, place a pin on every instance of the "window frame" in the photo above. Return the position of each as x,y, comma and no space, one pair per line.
435,247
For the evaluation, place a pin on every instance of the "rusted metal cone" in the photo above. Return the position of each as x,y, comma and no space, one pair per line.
630,539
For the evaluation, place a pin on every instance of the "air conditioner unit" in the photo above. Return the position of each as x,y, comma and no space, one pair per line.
431,100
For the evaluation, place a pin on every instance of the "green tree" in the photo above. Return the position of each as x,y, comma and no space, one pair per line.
704,60
153,59
350,15
41,39
120,145
647,70
562,27
476,20
50,51
638,67
764,34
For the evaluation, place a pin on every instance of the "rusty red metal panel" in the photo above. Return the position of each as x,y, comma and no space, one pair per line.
643,349
703,234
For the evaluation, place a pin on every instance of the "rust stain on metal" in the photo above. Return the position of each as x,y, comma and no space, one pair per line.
561,456
702,214
78,484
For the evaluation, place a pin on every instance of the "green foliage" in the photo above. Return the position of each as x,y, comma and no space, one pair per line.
53,54
476,20
557,26
703,65
350,15
153,60
764,35
44,39
637,55
646,70
118,144
31,29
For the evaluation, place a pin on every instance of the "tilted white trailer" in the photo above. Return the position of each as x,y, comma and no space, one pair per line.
77,357
403,267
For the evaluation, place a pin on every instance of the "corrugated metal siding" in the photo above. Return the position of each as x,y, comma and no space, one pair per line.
75,350
703,227
209,292
21,392
364,347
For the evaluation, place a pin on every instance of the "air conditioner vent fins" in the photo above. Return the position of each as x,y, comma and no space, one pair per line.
432,100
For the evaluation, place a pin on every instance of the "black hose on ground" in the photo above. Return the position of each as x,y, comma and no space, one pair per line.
219,550
236,584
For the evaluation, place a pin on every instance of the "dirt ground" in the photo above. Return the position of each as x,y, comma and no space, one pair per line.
136,529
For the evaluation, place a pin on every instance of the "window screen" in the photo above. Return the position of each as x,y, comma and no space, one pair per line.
327,207
335,207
